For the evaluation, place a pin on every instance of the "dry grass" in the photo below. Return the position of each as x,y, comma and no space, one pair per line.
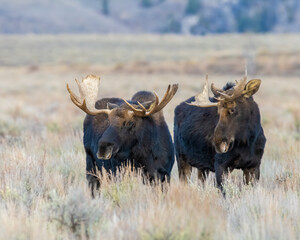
43,191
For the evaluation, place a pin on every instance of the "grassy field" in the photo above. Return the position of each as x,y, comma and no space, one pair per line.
43,191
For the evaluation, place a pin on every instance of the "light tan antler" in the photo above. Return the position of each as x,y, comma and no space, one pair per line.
237,91
156,106
88,89
216,91
202,99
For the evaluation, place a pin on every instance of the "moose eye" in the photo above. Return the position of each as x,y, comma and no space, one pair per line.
129,124
231,111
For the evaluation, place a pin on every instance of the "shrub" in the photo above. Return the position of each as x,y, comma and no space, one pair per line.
75,212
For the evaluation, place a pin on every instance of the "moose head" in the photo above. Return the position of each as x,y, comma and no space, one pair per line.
234,105
126,121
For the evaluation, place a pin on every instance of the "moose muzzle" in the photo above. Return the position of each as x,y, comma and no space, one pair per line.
224,146
106,150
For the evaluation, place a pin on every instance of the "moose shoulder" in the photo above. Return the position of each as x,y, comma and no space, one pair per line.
220,134
117,131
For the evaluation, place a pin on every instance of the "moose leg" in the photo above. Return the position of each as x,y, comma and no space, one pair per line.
251,175
221,172
202,174
94,184
184,169
91,172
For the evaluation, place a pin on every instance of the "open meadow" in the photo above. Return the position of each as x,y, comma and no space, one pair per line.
43,190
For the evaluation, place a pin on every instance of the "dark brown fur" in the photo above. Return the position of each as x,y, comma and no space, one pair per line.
144,142
199,133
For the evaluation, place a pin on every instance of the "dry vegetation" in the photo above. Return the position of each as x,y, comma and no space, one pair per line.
43,192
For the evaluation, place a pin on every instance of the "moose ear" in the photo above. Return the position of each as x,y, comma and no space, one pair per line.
111,106
251,87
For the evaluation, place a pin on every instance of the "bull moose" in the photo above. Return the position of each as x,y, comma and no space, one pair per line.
117,131
220,134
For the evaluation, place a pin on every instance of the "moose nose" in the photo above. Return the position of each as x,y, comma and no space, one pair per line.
105,150
223,146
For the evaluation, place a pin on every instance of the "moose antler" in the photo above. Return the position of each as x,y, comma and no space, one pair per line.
216,91
156,106
202,99
237,91
88,89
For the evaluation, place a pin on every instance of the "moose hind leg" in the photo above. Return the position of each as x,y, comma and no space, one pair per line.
251,175
202,174
184,169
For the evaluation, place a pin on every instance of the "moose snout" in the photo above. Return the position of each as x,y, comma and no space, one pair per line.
105,150
223,145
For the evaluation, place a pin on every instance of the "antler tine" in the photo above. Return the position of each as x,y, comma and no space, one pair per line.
237,90
166,96
73,97
224,95
156,101
202,99
141,105
136,111
171,91
156,106
88,89
241,84
215,90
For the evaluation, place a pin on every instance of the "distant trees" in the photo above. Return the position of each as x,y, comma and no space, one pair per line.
172,26
192,7
146,3
212,20
220,16
255,15
101,6
150,3
211,16
105,7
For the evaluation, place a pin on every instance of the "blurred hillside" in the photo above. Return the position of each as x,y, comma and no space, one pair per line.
148,16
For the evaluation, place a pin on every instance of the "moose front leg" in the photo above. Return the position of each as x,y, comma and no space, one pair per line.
221,173
251,175
91,173
93,183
